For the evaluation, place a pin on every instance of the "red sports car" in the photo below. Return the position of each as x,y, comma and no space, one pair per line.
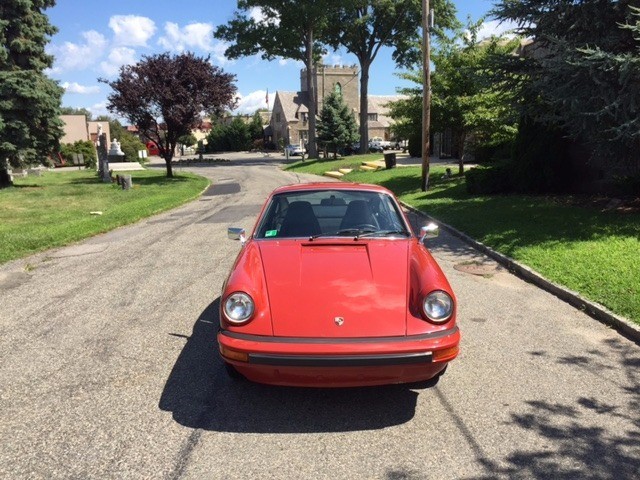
332,289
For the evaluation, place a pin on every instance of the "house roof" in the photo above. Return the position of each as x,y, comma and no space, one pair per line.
293,103
379,104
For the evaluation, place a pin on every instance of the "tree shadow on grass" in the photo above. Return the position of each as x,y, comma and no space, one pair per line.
200,395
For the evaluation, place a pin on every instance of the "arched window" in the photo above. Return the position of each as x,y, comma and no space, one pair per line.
337,88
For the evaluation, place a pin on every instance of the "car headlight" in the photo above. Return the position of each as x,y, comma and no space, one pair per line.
238,307
438,306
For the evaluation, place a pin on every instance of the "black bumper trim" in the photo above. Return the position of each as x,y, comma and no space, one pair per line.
340,360
334,340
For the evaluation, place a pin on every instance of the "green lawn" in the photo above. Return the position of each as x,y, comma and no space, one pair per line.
590,251
54,209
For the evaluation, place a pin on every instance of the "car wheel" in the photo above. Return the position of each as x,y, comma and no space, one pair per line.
232,372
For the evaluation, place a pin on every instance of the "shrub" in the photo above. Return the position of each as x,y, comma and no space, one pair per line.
415,145
489,180
84,147
541,162
493,152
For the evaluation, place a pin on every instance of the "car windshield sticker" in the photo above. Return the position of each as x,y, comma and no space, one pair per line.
271,233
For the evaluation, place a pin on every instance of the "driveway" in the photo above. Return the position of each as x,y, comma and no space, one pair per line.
108,370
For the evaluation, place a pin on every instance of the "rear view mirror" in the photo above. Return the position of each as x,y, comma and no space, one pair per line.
430,230
236,233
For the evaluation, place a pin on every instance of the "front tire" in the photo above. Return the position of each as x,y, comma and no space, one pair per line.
232,373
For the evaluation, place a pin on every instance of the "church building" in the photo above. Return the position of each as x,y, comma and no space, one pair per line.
290,116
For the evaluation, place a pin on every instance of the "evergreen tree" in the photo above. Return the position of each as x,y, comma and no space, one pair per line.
336,127
29,101
581,74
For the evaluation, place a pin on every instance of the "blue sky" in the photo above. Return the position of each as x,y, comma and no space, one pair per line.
96,38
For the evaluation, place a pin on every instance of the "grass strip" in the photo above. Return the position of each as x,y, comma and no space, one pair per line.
53,210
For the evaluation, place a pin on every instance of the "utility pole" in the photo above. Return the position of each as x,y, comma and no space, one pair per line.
427,20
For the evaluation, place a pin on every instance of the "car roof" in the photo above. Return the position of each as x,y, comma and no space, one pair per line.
331,186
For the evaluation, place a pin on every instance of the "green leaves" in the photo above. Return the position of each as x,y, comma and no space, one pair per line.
164,96
336,128
581,74
29,100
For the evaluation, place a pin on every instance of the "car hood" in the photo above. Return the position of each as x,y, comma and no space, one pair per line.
341,288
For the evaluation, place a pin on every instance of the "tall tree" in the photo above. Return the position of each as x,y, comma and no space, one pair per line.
581,74
364,27
29,101
465,98
292,29
164,96
336,127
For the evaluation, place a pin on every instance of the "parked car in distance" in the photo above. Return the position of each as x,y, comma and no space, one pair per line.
380,143
294,150
333,289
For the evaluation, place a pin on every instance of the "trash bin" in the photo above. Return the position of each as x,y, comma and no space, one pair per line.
389,160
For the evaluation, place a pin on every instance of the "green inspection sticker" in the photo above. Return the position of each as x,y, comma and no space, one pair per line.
271,233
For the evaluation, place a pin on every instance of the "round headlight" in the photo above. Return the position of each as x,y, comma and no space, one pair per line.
438,306
238,307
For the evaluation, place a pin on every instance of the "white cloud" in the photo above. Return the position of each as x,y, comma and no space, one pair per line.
332,59
75,87
99,109
248,104
495,28
218,52
258,16
132,30
118,57
194,36
76,56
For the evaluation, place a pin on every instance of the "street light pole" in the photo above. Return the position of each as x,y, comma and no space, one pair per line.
426,93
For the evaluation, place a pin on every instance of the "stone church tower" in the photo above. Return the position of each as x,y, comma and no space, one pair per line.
338,78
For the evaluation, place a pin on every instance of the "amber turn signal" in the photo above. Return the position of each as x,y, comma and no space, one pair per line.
234,354
445,354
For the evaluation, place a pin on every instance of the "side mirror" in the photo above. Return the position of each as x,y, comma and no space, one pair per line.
237,233
429,231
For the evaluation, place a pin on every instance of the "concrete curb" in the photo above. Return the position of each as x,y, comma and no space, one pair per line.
622,325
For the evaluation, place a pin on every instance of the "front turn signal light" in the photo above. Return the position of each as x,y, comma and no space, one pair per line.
234,354
445,354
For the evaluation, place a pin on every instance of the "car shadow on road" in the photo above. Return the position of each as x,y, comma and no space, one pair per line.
200,395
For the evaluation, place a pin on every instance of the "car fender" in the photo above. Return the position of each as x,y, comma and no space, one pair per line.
247,275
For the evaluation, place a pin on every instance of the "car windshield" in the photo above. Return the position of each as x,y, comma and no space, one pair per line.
327,213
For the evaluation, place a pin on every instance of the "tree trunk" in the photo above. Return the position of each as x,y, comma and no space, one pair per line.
426,96
167,160
364,106
5,178
461,140
311,90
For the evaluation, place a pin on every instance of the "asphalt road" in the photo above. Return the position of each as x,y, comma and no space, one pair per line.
108,370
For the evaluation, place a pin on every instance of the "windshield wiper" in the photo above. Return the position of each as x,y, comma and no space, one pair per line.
382,233
345,232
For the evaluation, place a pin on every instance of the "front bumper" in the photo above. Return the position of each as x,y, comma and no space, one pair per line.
339,362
